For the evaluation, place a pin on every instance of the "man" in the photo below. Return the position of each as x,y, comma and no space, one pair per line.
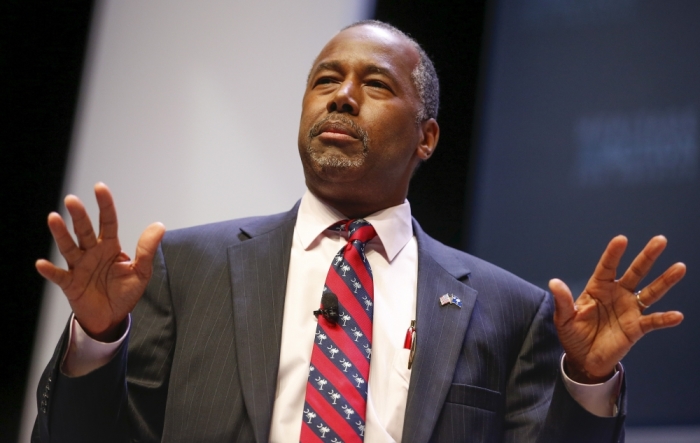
221,341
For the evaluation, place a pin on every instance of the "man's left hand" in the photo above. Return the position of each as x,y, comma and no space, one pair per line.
606,320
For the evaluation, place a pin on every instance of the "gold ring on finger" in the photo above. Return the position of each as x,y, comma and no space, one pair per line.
639,301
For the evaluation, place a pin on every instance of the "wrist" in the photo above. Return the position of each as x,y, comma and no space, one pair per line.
109,335
580,375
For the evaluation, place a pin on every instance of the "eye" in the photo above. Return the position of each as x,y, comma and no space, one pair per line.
324,81
377,84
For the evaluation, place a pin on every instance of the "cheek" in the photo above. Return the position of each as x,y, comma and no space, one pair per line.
311,112
395,135
305,124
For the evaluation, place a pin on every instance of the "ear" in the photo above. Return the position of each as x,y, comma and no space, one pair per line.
430,132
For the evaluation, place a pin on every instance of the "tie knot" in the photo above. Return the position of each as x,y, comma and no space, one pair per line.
357,229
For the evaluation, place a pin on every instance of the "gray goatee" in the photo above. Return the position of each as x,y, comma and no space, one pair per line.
338,161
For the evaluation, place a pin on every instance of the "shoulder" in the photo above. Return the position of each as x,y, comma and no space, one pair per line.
492,282
230,232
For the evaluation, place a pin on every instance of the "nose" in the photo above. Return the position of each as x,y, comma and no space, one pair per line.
345,99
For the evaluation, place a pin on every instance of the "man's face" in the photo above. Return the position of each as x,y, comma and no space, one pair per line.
358,137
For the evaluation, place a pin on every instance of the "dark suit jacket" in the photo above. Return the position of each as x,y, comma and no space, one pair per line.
205,343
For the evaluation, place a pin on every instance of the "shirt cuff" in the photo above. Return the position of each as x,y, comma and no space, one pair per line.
85,354
599,399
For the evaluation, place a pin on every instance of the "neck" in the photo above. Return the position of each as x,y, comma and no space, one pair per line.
352,209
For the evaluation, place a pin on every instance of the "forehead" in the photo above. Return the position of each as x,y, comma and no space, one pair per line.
368,45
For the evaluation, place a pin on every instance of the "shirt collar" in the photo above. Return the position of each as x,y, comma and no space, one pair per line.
393,225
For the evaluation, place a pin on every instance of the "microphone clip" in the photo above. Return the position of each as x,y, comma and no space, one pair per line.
329,307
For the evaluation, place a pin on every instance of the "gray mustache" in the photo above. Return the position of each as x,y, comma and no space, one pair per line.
316,128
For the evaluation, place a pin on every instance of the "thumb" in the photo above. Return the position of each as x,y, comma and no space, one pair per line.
565,309
146,248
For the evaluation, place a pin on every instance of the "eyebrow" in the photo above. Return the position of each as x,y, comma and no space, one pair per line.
379,70
331,66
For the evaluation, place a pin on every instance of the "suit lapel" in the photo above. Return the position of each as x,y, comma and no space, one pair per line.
259,268
440,332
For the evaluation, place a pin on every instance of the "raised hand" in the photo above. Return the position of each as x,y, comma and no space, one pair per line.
102,284
607,318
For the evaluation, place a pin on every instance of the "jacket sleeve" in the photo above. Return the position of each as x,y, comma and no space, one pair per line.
567,421
82,409
538,406
109,404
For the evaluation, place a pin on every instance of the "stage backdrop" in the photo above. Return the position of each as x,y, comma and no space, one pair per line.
189,111
589,129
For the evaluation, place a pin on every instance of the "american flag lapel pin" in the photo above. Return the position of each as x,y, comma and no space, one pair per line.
450,299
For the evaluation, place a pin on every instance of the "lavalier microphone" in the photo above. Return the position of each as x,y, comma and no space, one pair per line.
329,307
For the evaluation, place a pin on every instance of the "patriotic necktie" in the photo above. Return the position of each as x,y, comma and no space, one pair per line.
336,391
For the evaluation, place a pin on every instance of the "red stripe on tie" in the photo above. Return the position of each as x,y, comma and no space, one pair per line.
363,233
347,298
349,347
332,418
346,388
355,259
308,435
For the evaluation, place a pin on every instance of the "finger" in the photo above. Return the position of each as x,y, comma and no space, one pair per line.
146,249
642,263
53,273
82,226
564,306
660,320
606,268
66,245
123,256
108,212
659,287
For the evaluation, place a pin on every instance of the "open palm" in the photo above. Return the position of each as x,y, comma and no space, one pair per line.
101,283
607,319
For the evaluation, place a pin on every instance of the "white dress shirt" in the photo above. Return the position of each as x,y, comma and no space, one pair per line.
393,257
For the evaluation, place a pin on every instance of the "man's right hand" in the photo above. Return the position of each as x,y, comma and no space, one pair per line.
102,283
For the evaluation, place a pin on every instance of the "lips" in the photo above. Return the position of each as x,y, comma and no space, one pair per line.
335,126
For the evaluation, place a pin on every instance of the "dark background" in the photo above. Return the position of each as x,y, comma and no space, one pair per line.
589,129
41,56
515,81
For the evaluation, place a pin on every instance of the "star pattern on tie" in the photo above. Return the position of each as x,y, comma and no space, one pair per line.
336,391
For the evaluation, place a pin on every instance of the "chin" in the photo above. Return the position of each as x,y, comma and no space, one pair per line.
334,162
331,173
